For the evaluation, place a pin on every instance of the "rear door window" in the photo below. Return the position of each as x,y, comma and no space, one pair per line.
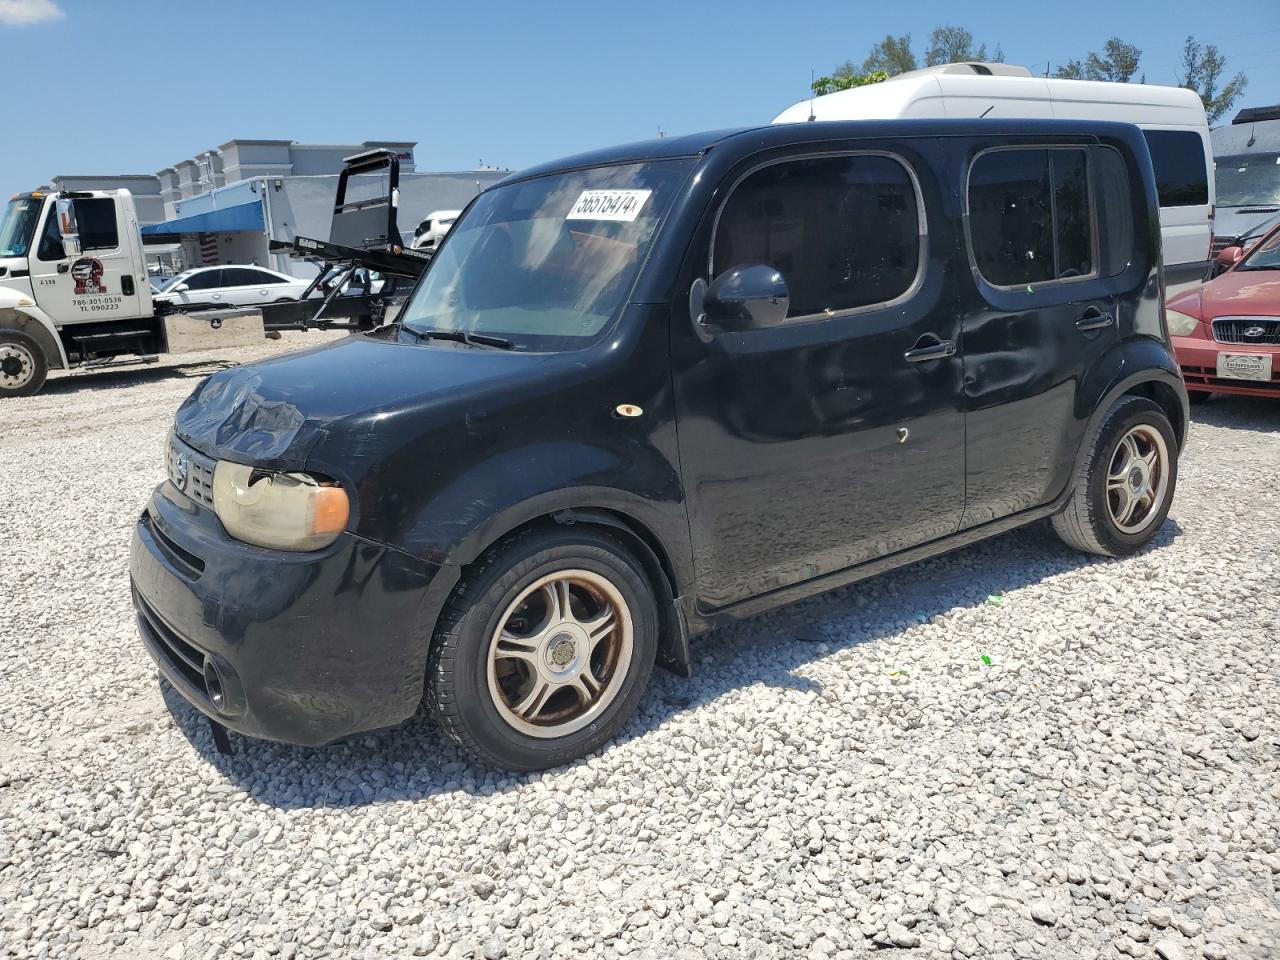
1177,156
1031,217
205,280
244,277
844,231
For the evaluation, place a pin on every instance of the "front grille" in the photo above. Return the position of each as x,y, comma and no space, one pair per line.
167,644
190,471
1221,243
1247,330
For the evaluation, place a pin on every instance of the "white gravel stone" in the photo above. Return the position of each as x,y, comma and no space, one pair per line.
845,774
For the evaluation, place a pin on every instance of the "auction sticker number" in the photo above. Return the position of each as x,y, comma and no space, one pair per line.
1244,366
618,205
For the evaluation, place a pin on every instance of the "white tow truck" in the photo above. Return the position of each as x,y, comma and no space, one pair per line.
74,289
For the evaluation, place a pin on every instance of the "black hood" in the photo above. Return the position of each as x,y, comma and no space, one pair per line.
272,413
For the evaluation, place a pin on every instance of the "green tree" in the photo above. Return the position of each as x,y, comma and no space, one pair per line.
1117,63
1202,67
891,56
846,80
952,44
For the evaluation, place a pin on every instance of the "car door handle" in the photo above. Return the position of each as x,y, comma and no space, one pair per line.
1094,319
930,347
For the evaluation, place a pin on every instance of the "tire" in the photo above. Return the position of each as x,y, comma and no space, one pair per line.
1093,520
552,689
23,365
1198,396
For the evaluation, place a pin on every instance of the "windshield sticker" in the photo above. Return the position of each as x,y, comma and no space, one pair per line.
619,205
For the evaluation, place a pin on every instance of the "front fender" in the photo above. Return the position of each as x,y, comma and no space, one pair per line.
19,312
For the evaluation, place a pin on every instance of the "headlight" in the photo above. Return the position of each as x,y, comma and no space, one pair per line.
284,511
1180,324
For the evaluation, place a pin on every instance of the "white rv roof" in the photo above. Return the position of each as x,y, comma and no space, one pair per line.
949,92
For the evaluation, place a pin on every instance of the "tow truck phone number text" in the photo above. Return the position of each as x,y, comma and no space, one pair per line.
98,304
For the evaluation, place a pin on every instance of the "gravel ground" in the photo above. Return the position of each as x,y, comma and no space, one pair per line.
846,775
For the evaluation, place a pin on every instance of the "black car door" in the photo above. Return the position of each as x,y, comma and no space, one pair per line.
838,436
1041,311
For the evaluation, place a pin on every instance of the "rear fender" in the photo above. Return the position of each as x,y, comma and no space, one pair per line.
1139,366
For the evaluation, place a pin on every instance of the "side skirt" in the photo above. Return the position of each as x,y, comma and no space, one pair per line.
702,621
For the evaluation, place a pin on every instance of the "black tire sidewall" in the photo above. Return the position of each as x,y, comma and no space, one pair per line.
1134,412
495,590
41,363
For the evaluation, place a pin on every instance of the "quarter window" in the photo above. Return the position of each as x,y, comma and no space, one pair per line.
1177,156
1030,216
843,231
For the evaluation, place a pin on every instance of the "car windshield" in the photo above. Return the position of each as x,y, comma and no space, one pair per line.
1265,256
547,263
19,225
1247,180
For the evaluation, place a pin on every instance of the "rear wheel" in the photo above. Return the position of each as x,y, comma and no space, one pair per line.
545,649
23,365
1126,483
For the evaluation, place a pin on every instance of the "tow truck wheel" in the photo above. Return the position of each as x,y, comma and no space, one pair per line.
23,366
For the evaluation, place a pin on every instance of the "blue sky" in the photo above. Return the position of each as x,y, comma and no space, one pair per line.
130,86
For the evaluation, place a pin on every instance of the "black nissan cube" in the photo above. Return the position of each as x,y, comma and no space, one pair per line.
646,391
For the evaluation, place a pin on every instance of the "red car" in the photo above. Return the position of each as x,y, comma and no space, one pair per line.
1226,333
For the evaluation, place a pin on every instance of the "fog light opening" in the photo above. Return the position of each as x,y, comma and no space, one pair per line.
213,686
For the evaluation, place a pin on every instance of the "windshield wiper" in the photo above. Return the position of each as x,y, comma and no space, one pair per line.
462,336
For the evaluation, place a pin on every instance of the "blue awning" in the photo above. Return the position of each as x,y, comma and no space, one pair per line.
243,218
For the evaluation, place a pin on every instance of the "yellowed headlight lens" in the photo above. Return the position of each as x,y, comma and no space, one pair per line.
283,511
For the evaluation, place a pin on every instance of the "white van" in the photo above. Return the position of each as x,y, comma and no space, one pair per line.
1172,118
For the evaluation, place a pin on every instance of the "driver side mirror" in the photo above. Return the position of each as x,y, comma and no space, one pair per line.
181,288
68,229
1230,256
751,297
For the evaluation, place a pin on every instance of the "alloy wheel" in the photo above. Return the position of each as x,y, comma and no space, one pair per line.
1137,479
560,653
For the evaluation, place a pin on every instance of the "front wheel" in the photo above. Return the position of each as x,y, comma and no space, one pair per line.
1126,483
544,651
23,365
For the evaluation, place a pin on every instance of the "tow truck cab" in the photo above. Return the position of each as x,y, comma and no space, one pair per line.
73,284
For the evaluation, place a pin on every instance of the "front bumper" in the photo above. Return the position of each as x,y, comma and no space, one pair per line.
1198,359
308,647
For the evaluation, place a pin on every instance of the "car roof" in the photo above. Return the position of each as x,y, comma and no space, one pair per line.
752,139
234,266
